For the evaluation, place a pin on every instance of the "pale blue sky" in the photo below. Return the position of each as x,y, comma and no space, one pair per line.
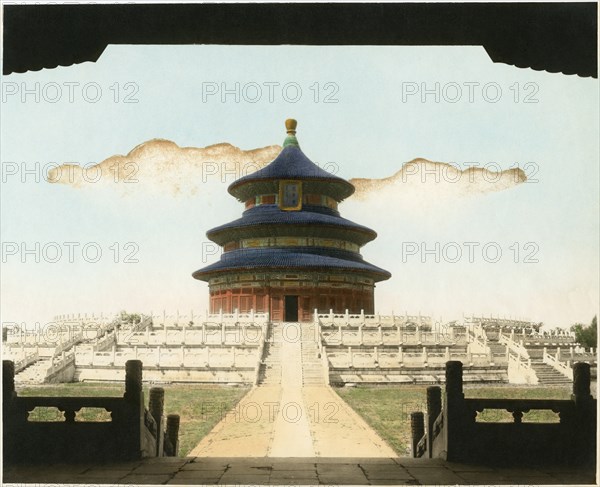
369,132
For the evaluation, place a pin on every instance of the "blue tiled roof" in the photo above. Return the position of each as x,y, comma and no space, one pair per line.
291,163
296,258
271,214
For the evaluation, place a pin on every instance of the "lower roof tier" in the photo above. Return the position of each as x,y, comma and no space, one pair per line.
297,258
269,220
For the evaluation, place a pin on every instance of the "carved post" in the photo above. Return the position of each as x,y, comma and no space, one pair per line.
376,356
585,415
165,326
434,408
347,317
424,356
183,334
223,332
581,383
341,332
417,430
8,381
183,355
133,381
233,357
447,354
360,334
399,334
147,336
418,334
350,358
172,434
380,335
156,404
457,432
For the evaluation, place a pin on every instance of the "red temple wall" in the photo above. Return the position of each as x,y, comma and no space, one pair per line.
272,300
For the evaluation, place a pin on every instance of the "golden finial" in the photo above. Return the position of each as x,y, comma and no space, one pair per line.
290,125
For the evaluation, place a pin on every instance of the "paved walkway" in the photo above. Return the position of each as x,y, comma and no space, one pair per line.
291,420
294,471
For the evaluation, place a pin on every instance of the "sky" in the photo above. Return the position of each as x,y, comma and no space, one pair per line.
131,242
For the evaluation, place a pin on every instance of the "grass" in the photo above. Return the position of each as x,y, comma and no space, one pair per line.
200,407
387,409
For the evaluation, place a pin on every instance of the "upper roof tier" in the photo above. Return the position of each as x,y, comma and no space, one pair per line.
291,163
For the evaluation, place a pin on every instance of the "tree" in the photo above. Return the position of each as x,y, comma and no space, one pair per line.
587,335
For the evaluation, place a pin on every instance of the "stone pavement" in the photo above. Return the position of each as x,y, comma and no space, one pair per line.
292,420
294,471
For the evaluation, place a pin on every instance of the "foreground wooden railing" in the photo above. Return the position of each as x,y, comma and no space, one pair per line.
132,433
453,433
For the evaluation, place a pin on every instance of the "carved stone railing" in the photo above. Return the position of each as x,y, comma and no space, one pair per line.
259,355
60,362
132,433
236,317
390,357
27,360
455,434
514,346
355,319
397,335
520,370
501,322
563,367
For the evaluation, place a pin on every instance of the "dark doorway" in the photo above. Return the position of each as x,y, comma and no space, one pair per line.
291,308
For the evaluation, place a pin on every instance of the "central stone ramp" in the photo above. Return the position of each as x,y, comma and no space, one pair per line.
299,416
292,436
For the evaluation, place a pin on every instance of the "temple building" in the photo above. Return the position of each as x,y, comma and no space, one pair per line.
291,252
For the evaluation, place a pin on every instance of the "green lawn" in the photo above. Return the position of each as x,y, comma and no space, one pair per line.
387,409
200,407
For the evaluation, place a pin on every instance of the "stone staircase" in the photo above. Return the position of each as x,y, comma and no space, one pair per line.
548,375
270,368
496,348
312,367
34,373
